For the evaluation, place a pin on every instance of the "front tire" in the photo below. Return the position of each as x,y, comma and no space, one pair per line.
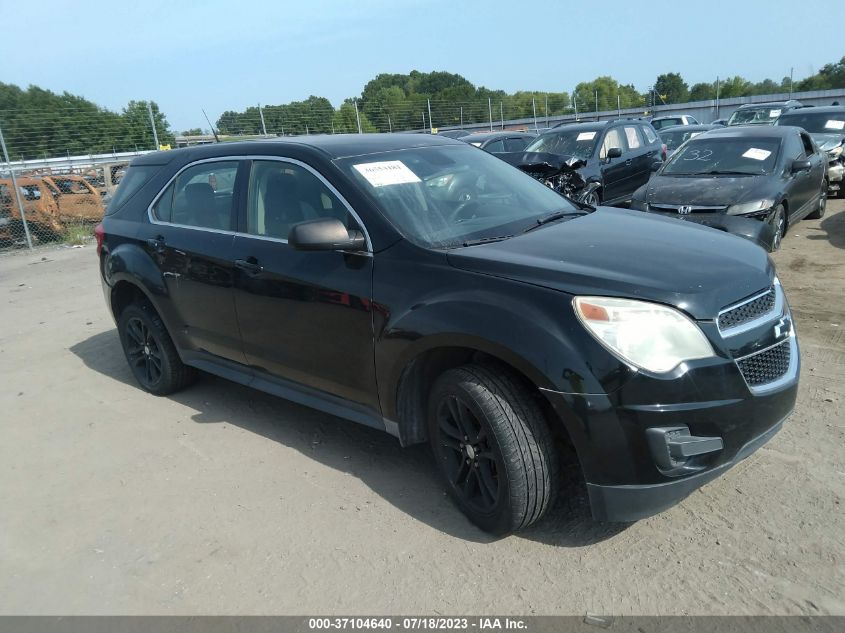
150,352
492,447
778,222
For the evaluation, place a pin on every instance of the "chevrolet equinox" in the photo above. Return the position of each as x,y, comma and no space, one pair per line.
347,273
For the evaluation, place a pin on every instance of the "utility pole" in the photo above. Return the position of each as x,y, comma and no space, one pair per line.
717,97
547,109
423,117
152,123
261,114
575,102
490,110
502,114
430,124
462,117
534,109
389,124
357,116
618,107
17,192
790,81
597,104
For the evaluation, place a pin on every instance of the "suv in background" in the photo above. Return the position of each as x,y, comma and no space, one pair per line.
658,123
826,126
500,142
762,113
617,155
340,272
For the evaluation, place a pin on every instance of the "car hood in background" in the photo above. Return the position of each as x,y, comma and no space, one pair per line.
707,190
620,253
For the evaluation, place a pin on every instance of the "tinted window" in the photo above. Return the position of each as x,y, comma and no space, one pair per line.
659,124
135,178
613,138
677,135
515,144
816,122
443,196
200,196
649,133
283,194
710,155
495,146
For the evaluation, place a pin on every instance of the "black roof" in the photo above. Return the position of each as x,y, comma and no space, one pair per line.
331,145
488,136
701,127
818,109
584,127
790,103
753,131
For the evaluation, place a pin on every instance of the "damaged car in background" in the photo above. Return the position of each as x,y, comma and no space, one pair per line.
753,182
762,113
826,126
601,162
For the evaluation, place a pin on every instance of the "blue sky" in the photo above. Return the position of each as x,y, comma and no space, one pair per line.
187,55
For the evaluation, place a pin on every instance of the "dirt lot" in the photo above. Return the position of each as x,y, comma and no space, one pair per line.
224,500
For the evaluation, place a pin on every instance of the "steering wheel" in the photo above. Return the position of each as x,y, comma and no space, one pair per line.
456,216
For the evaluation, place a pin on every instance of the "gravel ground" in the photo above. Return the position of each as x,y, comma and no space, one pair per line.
223,500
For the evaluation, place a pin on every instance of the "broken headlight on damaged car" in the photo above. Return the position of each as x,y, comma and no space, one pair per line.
834,153
751,209
648,335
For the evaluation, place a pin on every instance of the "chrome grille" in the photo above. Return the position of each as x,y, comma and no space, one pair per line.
675,208
747,311
766,366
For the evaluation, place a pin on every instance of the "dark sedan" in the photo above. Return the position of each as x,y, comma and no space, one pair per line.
499,142
674,137
827,128
754,182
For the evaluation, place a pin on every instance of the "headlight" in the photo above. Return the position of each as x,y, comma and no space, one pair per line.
835,153
751,207
651,336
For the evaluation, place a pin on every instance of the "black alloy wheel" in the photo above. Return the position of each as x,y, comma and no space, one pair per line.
143,353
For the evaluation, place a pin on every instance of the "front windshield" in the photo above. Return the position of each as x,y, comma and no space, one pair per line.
444,196
764,115
676,136
574,142
816,122
724,156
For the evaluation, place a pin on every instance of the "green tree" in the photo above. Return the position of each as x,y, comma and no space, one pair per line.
346,122
702,91
672,88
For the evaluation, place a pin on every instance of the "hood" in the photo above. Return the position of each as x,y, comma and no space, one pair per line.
706,190
621,253
827,142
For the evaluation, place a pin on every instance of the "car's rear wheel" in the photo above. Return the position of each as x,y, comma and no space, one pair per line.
492,447
778,222
151,355
819,212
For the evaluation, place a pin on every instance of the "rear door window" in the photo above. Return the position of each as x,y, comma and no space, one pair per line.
515,144
200,196
633,137
651,137
612,139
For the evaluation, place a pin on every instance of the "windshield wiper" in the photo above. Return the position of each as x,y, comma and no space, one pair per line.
553,217
719,172
485,240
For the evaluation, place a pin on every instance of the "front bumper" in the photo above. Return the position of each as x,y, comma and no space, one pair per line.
631,503
756,230
835,172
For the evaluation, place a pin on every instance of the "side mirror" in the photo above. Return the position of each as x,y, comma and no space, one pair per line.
614,152
800,165
656,165
325,234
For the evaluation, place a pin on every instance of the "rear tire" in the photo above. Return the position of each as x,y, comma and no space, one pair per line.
818,214
150,352
492,447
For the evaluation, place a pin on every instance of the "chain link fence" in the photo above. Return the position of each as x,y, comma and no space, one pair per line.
60,168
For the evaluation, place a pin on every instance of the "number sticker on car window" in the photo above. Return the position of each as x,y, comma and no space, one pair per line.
586,136
388,172
834,125
698,154
757,154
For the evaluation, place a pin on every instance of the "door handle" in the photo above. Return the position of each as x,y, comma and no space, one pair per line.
250,265
156,243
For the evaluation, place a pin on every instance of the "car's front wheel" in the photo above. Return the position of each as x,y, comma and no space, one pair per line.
151,355
778,222
492,447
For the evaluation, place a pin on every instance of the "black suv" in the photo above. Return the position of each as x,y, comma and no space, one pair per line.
343,272
618,155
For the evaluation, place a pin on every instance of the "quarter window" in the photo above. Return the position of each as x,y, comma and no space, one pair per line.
495,146
650,136
515,144
282,194
200,196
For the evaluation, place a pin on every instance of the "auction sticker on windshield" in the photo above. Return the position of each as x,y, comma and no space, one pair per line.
586,136
388,172
774,113
757,154
834,125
